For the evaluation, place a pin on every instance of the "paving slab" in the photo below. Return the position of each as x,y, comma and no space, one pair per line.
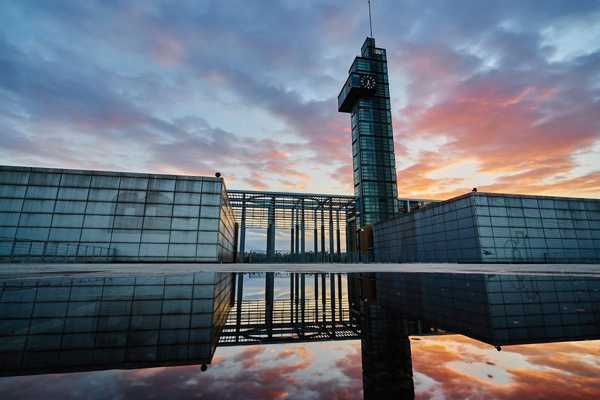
22,270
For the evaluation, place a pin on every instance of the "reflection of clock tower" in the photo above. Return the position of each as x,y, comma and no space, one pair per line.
366,96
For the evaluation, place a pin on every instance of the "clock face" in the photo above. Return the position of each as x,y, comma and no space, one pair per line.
367,81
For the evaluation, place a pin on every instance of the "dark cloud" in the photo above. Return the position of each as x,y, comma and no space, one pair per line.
111,85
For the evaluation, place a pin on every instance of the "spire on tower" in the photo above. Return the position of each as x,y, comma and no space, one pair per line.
370,23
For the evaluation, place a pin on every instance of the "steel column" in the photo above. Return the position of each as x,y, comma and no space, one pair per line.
243,230
303,232
331,250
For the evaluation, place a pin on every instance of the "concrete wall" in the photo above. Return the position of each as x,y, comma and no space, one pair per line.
485,227
54,214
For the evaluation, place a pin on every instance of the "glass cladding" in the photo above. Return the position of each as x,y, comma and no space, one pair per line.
49,214
372,140
484,227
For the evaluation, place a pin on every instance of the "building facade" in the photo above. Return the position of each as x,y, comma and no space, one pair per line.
485,227
366,96
59,214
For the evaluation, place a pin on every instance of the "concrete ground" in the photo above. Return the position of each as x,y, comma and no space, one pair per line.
18,270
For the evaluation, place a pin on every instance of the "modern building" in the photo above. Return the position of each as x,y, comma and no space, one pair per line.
486,227
366,96
52,214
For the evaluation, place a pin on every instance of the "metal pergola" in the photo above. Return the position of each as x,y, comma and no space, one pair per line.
303,214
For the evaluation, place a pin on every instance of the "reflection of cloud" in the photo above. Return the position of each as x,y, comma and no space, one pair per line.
449,367
463,368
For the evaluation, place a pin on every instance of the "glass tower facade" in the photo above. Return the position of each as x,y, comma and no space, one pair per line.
366,97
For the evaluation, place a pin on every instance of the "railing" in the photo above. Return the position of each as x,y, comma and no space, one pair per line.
23,250
308,258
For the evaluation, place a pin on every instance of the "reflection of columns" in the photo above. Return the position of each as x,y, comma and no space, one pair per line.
269,289
239,297
302,230
341,310
324,297
297,296
271,229
302,298
315,236
331,251
316,293
332,295
292,278
243,229
337,233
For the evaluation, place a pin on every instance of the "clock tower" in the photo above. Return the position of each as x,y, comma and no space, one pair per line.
366,96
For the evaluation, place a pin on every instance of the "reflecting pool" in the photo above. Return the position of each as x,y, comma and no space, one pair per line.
269,335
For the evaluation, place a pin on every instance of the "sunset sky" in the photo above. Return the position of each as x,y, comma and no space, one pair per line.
502,95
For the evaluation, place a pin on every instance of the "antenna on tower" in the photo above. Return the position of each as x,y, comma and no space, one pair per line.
370,23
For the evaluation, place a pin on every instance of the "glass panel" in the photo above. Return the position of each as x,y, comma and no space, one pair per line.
156,210
67,220
100,208
185,223
209,212
152,236
67,206
154,250
95,235
65,234
128,222
12,191
103,195
110,182
188,198
72,194
126,235
133,183
161,184
183,237
44,179
159,197
41,192
188,186
35,219
33,233
11,204
186,211
98,221
15,177
182,250
157,223
75,180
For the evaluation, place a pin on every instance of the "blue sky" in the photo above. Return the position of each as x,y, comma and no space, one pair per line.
503,95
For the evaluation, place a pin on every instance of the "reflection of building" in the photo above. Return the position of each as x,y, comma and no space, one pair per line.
496,309
484,227
72,324
366,96
50,214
